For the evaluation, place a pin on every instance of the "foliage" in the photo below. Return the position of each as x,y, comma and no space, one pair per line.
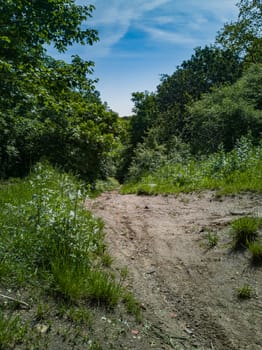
11,331
255,249
244,292
226,114
143,118
212,239
49,108
163,113
244,231
146,160
230,172
244,35
30,24
51,237
208,67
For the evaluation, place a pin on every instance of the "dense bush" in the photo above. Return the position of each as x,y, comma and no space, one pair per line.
226,114
48,236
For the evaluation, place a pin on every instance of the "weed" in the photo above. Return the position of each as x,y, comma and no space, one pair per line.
109,184
132,306
80,316
94,346
12,331
106,260
244,292
102,288
51,244
212,239
42,311
244,231
255,248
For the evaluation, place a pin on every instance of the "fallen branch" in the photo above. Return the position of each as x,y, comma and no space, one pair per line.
15,300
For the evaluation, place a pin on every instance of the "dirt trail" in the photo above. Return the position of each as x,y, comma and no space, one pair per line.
188,291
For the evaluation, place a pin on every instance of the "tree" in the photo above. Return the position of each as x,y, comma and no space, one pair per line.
226,114
50,108
208,67
145,110
29,24
244,35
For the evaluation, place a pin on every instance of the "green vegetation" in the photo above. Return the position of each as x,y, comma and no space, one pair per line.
232,172
49,109
244,35
212,239
255,249
244,292
132,306
208,104
51,244
201,129
12,331
50,237
245,231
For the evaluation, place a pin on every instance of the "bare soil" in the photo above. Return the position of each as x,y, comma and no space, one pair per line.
187,290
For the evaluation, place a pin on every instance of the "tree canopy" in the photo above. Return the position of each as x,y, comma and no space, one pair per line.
245,35
50,108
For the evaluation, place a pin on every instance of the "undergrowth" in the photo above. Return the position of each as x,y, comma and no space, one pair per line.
49,241
232,172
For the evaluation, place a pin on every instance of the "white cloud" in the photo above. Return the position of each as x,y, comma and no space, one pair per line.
165,20
113,20
168,36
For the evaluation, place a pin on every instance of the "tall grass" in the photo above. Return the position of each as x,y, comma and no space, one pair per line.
232,172
48,238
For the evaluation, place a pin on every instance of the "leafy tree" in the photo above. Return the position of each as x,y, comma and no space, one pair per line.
208,67
144,113
160,117
29,24
226,114
244,35
50,108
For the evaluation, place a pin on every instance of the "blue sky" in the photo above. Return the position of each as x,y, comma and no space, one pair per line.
142,39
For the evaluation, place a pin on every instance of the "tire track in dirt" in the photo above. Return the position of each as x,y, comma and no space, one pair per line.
187,290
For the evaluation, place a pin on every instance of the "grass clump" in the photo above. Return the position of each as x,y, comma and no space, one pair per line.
211,239
79,316
101,288
132,306
245,231
255,249
244,292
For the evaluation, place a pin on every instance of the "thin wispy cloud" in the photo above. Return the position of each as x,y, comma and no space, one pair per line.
164,20
141,39
168,36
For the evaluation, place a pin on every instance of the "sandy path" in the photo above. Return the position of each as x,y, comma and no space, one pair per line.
187,290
